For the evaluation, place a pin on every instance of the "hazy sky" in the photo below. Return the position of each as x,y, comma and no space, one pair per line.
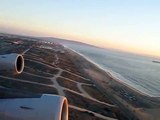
131,25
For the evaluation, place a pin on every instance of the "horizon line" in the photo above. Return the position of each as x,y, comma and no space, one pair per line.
72,40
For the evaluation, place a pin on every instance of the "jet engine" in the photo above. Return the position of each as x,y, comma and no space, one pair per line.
47,107
42,107
11,63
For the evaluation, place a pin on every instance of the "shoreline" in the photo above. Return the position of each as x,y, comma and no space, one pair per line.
112,76
132,102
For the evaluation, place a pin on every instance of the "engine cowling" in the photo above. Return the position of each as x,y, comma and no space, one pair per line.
47,107
11,63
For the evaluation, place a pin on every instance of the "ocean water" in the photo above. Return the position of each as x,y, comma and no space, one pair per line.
135,70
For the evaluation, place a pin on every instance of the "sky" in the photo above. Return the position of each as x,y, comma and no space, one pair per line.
128,25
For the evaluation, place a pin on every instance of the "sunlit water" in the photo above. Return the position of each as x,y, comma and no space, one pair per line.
137,71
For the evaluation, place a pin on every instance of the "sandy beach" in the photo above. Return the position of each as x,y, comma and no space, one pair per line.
134,103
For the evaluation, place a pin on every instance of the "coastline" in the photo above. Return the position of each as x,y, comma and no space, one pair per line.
113,76
132,102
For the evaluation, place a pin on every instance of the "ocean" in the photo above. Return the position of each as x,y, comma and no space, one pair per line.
137,71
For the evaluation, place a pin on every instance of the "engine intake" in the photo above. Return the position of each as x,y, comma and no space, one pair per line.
12,63
47,107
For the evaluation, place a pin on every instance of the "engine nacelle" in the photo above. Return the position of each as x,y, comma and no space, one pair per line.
47,107
11,63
